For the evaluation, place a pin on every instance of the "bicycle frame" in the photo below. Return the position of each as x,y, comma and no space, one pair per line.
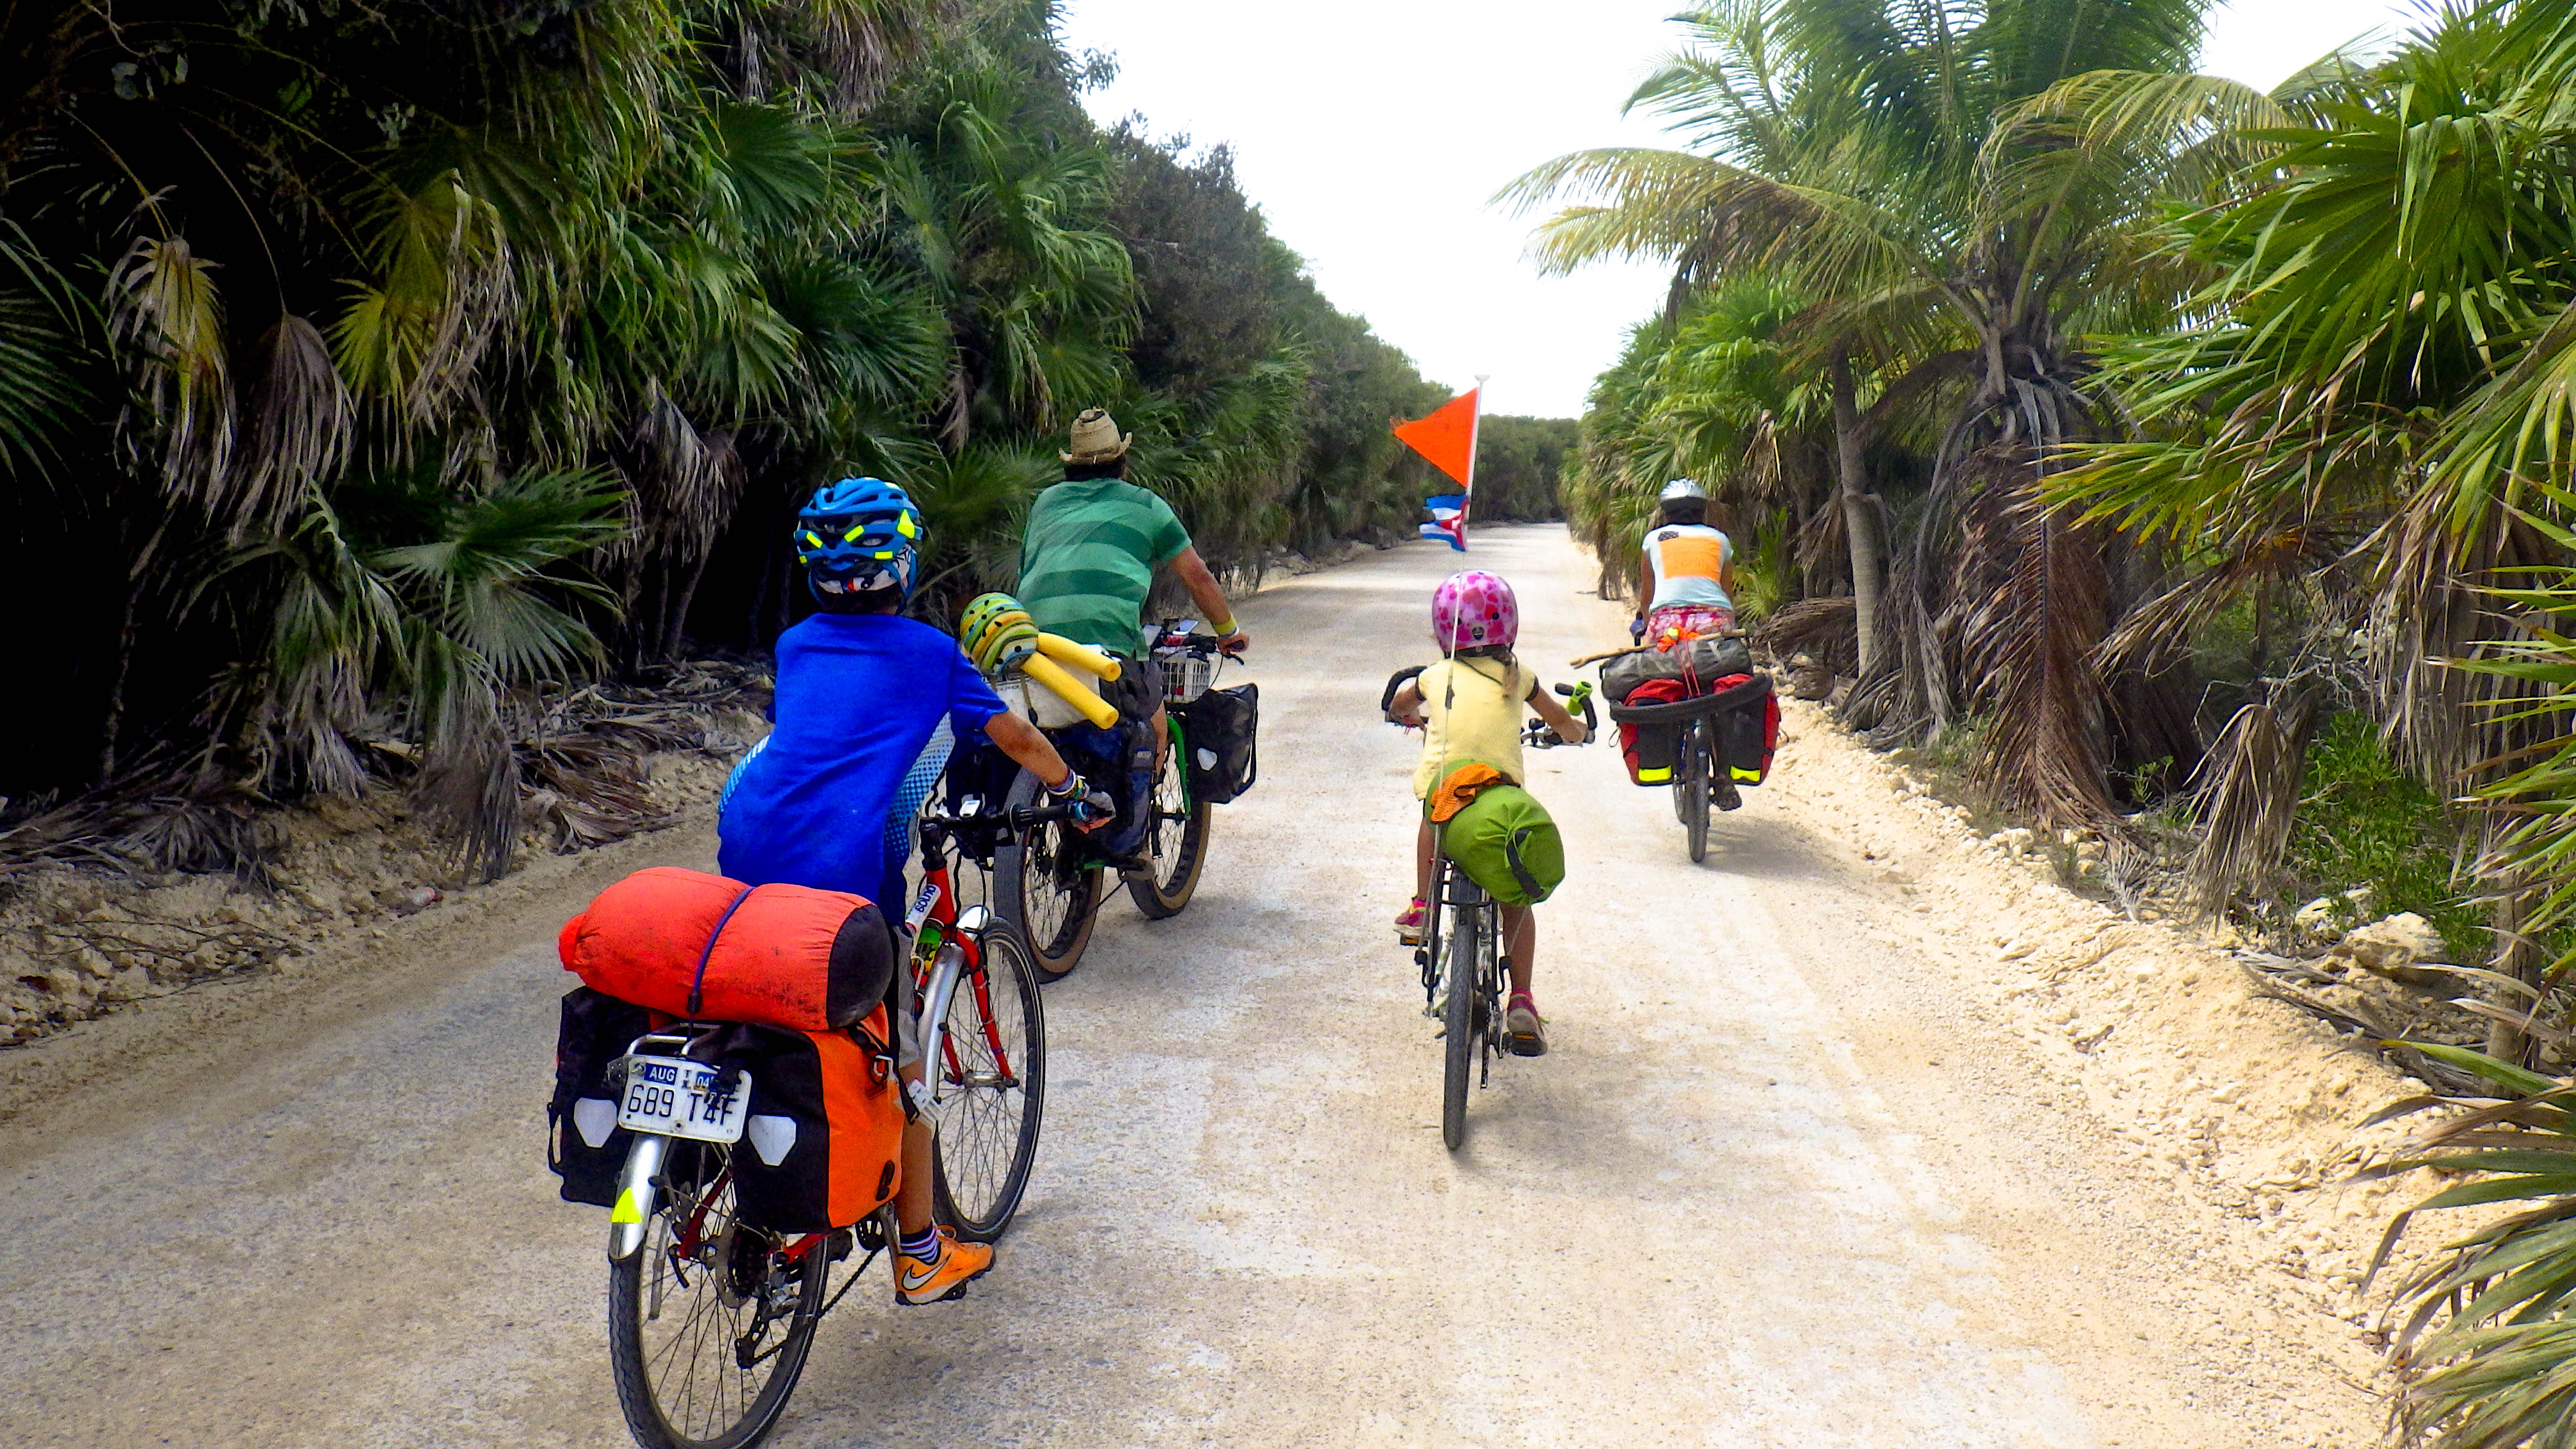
933,920
1450,887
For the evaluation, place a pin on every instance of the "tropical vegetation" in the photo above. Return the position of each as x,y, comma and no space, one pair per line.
2181,447
367,372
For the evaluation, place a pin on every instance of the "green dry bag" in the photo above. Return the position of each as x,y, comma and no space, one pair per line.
1505,842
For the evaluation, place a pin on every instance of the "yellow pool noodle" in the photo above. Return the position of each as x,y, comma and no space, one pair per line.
1051,674
1080,656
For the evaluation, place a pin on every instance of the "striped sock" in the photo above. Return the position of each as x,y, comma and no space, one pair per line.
924,1248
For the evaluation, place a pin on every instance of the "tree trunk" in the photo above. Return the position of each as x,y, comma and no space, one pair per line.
2519,957
1860,511
128,635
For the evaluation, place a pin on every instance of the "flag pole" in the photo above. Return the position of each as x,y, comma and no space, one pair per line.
1475,426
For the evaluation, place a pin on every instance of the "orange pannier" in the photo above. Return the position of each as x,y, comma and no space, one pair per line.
824,1141
701,947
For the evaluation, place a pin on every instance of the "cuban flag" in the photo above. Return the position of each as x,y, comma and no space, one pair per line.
1448,520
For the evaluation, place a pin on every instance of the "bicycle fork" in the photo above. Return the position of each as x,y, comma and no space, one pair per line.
636,1187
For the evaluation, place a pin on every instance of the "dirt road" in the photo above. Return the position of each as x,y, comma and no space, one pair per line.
1782,1183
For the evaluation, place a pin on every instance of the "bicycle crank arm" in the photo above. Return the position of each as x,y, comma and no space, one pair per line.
635,1196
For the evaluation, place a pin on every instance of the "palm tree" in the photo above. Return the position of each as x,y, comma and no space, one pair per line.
2362,426
1897,165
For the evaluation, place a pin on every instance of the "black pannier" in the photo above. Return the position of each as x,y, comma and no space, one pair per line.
584,1144
1219,729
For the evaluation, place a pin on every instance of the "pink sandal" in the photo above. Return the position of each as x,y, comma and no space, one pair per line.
1408,926
1524,1030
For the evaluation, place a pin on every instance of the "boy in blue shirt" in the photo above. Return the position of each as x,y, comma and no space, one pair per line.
869,703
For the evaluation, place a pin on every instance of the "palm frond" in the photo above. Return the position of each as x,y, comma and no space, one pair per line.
166,314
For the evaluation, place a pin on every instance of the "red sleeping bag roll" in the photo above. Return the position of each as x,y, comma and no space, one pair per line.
702,947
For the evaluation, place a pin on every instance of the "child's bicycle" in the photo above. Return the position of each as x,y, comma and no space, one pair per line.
1465,976
710,1318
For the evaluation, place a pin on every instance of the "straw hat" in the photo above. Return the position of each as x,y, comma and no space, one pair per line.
1096,438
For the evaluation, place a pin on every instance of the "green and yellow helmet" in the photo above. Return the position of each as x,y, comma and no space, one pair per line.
996,632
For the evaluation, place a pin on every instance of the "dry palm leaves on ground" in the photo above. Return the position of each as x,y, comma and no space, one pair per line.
583,778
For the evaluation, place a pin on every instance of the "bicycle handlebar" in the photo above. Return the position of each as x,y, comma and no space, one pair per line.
1022,817
1206,646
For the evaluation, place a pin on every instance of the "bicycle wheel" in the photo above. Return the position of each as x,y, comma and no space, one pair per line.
1048,885
992,1090
1458,1021
709,1324
1177,843
1694,790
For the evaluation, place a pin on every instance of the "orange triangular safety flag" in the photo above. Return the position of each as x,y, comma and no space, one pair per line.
1447,437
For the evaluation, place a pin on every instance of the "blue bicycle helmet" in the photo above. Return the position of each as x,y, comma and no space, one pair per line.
859,535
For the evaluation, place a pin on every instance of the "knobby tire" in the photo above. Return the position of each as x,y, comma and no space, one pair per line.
1695,790
988,1134
1177,844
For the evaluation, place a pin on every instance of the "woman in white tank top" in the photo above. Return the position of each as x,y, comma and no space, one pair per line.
1685,572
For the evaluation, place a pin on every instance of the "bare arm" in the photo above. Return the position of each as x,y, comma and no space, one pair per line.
1021,741
1645,590
1408,706
1567,727
1201,583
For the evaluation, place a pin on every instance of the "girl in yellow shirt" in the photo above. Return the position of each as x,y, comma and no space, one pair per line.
1469,706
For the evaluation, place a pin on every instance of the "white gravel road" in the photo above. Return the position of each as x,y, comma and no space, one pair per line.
1780,1183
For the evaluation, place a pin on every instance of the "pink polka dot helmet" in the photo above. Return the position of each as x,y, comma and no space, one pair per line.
1474,608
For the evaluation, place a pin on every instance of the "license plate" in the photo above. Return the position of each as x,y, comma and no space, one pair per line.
679,1098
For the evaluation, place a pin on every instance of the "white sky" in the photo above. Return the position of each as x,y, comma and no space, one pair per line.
1374,132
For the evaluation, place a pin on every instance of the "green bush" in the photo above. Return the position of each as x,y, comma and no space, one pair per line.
2364,821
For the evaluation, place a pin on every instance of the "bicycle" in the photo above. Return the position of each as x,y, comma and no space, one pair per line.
710,1319
1465,976
1054,880
1700,773
1176,843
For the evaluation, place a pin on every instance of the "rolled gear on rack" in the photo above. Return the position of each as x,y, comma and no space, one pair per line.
1497,833
702,947
1700,663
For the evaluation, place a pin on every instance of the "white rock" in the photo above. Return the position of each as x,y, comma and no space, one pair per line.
2393,943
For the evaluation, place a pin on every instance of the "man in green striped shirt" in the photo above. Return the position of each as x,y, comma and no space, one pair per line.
1093,543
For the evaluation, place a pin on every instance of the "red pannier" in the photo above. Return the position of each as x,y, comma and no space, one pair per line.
1652,750
1747,733
702,947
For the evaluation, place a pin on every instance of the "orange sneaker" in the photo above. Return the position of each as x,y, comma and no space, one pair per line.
958,1264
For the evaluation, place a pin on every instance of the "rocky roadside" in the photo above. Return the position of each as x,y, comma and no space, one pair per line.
79,941
2192,1066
